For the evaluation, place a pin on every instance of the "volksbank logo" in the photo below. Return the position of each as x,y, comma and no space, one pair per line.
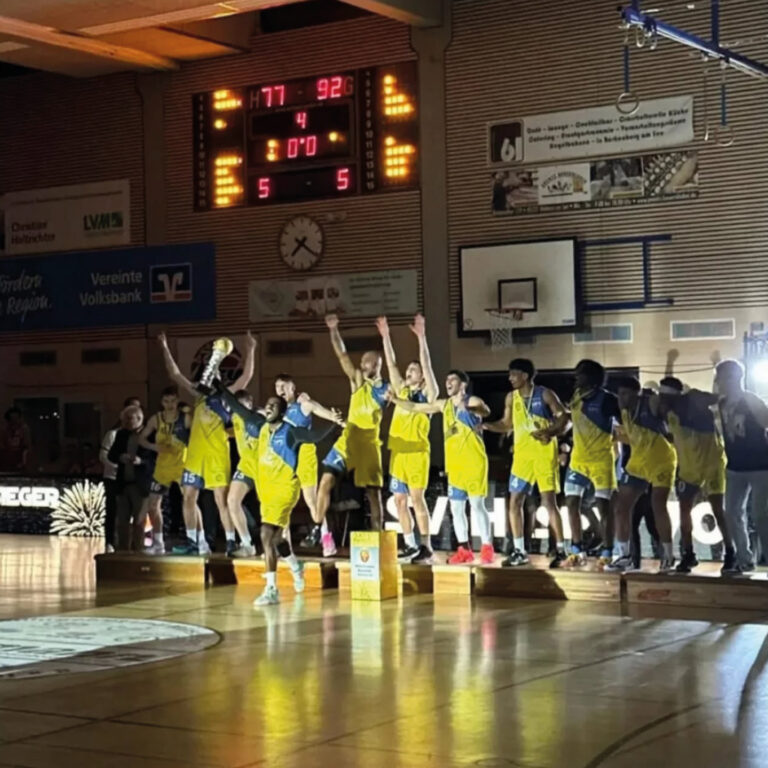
170,283
108,221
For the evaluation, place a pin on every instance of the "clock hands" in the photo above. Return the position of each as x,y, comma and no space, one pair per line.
301,242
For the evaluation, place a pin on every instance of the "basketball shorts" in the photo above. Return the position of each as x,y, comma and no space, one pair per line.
408,471
359,451
472,481
208,470
534,468
600,475
307,466
241,477
657,474
277,509
707,481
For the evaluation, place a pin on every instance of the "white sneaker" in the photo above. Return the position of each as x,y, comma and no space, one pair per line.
203,548
298,578
109,550
245,550
621,564
155,548
269,596
667,565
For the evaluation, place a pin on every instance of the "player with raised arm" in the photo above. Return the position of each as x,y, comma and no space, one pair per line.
170,426
466,462
358,449
536,416
700,463
301,409
207,464
408,440
595,414
652,463
277,445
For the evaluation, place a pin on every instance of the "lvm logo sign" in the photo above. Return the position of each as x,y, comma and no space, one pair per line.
107,221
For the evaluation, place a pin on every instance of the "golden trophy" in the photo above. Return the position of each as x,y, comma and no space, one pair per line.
222,348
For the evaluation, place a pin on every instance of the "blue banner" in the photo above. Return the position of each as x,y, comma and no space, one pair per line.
159,284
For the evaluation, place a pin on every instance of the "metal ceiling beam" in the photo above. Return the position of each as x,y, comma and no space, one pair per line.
417,13
26,31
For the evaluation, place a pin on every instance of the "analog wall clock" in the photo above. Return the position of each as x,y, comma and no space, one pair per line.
301,243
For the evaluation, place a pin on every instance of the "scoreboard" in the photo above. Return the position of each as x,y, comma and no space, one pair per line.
335,135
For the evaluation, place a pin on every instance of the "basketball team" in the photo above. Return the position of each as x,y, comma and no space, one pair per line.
629,445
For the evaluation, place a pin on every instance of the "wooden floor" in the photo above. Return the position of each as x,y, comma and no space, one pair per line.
422,681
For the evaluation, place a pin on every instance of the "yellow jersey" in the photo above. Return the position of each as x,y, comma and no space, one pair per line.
646,433
409,432
173,435
247,440
530,414
209,427
464,446
277,462
365,405
593,419
697,441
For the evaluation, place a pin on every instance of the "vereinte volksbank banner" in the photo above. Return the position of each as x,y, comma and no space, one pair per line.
592,132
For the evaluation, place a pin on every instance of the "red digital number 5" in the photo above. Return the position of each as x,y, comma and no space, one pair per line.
342,179
265,187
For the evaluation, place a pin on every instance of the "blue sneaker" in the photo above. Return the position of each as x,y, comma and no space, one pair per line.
298,577
190,548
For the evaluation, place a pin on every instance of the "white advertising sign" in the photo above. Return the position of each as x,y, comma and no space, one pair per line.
69,218
564,184
592,132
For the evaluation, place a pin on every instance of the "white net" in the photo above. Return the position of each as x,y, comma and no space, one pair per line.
502,327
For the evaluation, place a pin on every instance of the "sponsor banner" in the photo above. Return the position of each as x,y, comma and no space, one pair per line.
163,284
373,565
77,217
361,294
593,132
597,184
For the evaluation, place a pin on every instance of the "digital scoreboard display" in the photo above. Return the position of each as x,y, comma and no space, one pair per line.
334,135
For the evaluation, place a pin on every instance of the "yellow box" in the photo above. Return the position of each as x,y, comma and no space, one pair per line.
373,565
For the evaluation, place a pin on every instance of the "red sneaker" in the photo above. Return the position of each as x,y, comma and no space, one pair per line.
461,556
486,554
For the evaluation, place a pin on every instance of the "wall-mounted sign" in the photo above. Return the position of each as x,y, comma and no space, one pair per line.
76,217
163,284
592,132
359,294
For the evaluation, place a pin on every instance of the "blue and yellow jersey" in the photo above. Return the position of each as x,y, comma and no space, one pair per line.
296,417
277,464
173,435
646,433
210,420
409,432
247,439
365,405
593,420
528,415
464,446
697,441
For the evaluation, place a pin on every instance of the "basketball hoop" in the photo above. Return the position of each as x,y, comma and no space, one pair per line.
502,325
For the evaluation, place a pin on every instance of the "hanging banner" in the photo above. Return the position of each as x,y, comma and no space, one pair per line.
359,294
159,284
597,184
77,217
578,133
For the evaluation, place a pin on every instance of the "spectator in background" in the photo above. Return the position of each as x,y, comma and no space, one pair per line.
15,442
109,471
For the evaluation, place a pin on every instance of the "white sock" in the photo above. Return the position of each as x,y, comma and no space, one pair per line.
230,535
560,546
480,520
667,550
271,578
324,527
410,539
194,534
622,548
519,543
246,540
460,525
293,561
157,537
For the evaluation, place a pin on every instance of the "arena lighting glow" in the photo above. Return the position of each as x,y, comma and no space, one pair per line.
760,371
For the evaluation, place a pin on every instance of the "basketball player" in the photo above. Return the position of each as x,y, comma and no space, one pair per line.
652,463
170,427
299,413
701,464
745,419
208,463
358,449
594,414
409,440
466,462
277,446
536,416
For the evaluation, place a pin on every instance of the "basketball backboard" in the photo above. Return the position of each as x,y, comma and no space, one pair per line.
540,277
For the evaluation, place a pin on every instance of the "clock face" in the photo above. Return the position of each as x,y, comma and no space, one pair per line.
301,243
